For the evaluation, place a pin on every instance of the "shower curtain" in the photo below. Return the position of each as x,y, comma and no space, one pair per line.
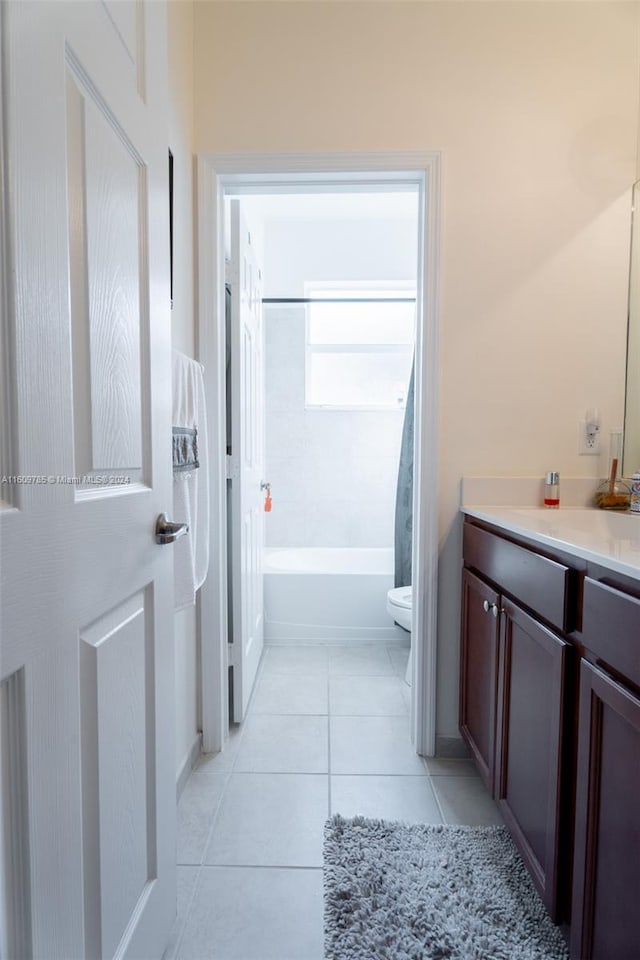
404,496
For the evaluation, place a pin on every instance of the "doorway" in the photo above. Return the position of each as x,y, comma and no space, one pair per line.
219,175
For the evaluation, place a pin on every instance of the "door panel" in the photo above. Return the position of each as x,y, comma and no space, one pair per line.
530,727
247,452
106,183
112,187
87,594
119,855
479,671
605,921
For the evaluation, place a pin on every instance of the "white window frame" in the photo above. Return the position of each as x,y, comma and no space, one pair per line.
338,287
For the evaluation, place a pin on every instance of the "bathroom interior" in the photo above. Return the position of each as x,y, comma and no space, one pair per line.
334,405
536,215
337,598
535,219
532,111
339,289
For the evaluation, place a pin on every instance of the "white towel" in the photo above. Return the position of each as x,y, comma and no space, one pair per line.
190,487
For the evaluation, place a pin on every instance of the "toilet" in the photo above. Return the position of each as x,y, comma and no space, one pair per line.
399,604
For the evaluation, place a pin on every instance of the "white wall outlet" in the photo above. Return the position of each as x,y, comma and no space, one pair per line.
588,439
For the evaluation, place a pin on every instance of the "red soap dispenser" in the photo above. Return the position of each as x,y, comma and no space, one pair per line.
552,490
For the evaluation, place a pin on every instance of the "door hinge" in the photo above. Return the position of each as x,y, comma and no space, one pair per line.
233,469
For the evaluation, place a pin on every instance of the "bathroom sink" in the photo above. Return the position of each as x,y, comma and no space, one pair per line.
604,536
596,524
601,535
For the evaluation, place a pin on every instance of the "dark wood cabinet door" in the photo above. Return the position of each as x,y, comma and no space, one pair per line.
479,671
605,923
530,723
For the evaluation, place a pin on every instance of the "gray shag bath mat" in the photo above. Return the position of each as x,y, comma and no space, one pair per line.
395,891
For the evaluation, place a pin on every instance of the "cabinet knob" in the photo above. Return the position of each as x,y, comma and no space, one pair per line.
491,607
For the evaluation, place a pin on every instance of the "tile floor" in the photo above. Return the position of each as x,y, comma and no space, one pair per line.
327,732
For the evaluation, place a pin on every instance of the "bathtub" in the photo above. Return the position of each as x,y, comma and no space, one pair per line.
327,593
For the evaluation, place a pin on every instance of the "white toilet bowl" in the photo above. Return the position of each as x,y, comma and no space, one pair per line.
399,604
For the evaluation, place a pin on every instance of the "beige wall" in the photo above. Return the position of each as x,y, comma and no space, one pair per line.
535,109
638,138
181,137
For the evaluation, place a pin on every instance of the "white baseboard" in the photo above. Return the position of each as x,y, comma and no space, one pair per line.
278,632
359,641
189,763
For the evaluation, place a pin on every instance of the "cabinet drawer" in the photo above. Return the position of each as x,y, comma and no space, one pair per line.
541,584
611,627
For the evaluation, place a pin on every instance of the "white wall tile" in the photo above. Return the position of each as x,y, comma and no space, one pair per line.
285,525
377,478
333,473
377,433
327,523
288,479
368,528
284,329
330,433
284,387
328,478
285,433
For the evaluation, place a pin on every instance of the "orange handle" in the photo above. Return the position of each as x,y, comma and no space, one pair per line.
267,502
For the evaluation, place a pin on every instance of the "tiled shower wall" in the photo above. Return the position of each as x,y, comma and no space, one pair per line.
333,473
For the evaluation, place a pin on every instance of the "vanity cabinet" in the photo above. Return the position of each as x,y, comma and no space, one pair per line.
606,884
550,708
513,708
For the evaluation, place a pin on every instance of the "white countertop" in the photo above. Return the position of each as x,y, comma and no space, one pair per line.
602,536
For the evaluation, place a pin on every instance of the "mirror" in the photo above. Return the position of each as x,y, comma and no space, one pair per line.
631,454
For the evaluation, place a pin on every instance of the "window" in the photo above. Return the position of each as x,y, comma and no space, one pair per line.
359,346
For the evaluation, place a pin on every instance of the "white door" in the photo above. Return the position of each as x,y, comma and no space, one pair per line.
88,778
247,459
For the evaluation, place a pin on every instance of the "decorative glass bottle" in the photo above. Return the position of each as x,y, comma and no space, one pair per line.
614,493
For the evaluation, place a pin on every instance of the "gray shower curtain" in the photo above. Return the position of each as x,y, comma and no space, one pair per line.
404,496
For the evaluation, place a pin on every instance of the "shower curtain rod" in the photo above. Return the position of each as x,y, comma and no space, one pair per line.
269,300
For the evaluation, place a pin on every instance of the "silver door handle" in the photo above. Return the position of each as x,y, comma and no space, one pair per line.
167,531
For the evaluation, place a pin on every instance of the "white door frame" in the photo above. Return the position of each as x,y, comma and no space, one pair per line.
261,173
